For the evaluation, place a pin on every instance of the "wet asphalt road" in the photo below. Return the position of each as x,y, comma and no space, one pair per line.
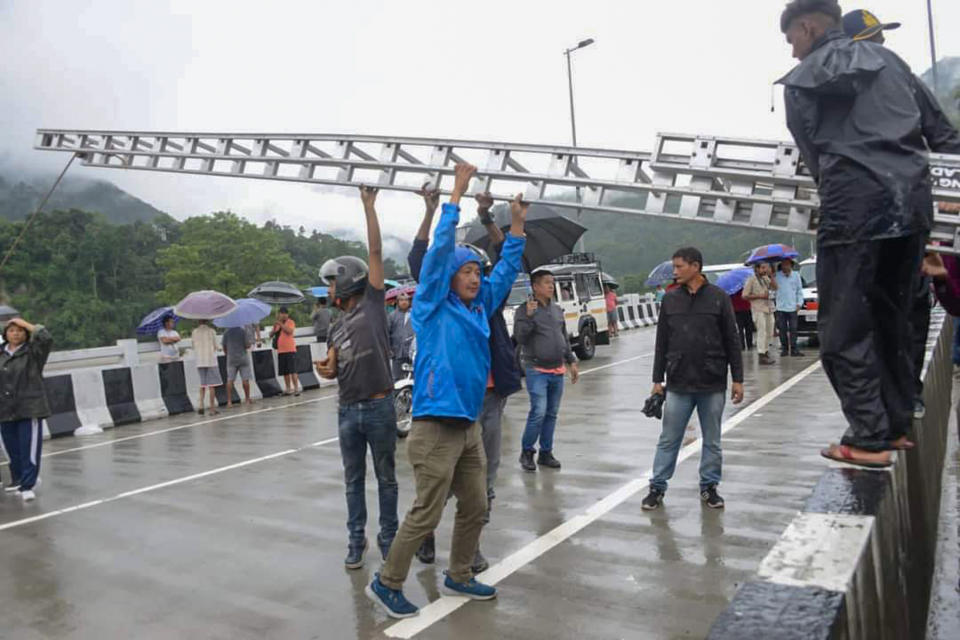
234,527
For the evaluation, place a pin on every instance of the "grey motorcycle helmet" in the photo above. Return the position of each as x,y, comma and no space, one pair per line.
348,274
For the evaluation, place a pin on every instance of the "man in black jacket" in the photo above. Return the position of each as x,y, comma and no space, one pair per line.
697,340
864,123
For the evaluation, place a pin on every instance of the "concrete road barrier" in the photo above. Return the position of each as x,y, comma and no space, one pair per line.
857,562
119,396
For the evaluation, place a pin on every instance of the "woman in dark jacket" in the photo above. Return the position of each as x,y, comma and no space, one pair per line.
23,403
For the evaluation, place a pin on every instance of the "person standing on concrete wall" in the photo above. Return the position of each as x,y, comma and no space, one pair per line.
789,301
286,346
757,290
696,343
864,123
540,330
237,342
451,316
358,357
23,355
505,376
204,339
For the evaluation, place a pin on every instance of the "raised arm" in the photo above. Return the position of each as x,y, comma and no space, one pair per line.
434,280
431,200
374,244
504,274
484,203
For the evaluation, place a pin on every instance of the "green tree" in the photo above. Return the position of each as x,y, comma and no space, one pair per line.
222,252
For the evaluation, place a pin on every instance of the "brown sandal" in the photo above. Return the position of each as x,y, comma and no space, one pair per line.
843,453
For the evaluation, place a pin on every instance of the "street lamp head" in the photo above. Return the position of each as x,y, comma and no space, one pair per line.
585,43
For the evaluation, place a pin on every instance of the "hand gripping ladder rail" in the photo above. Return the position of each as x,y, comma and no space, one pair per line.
745,183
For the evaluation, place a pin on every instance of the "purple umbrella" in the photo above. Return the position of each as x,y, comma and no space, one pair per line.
205,305
661,274
248,311
772,253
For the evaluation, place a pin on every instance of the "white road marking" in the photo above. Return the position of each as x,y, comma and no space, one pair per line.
161,485
445,605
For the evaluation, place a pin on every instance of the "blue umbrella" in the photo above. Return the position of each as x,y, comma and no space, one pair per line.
248,311
733,281
772,253
319,292
153,321
661,274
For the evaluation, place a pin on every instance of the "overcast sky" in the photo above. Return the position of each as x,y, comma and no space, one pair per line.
489,70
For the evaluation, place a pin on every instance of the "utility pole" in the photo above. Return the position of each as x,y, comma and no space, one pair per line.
573,117
933,50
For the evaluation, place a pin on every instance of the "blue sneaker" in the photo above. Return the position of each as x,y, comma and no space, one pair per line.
392,601
471,589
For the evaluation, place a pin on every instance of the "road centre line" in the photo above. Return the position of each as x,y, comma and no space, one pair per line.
161,485
203,474
445,605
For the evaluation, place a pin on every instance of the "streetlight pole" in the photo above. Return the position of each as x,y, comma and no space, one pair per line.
573,117
933,48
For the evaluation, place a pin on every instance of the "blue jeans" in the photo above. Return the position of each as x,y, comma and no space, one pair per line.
676,414
373,423
545,391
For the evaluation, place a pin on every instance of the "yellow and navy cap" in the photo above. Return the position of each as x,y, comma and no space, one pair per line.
860,24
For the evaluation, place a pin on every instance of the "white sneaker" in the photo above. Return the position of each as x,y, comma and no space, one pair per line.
28,496
12,488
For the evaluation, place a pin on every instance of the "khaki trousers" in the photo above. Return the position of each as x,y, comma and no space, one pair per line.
445,459
764,321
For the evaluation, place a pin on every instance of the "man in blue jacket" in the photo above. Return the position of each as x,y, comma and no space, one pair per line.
451,313
505,374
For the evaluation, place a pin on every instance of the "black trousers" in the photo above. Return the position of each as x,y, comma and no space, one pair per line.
866,290
745,328
787,326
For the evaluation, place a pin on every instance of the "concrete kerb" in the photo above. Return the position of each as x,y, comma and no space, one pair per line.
857,562
146,392
90,398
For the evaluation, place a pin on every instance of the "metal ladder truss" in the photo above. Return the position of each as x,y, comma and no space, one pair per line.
746,183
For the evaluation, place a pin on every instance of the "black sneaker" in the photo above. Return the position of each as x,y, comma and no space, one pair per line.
919,409
355,553
784,354
546,459
526,461
711,497
654,500
480,563
427,553
797,354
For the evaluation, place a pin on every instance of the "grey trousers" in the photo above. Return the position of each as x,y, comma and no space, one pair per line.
491,423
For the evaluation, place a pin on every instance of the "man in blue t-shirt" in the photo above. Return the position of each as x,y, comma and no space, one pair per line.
789,303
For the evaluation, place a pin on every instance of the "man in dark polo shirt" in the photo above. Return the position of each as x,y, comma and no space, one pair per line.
358,356
696,342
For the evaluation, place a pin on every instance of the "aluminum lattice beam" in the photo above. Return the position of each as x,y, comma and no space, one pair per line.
745,183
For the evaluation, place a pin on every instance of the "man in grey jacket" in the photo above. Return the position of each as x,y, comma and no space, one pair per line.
540,330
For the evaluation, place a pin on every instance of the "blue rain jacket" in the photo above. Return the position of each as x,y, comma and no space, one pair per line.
453,339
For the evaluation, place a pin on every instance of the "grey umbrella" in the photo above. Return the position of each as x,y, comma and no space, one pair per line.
550,235
276,292
609,280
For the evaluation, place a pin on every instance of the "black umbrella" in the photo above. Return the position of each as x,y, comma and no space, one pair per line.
550,235
276,292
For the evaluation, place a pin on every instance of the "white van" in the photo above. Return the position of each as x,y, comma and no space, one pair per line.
579,292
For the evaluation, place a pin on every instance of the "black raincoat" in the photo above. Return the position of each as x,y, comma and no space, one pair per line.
863,123
21,379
